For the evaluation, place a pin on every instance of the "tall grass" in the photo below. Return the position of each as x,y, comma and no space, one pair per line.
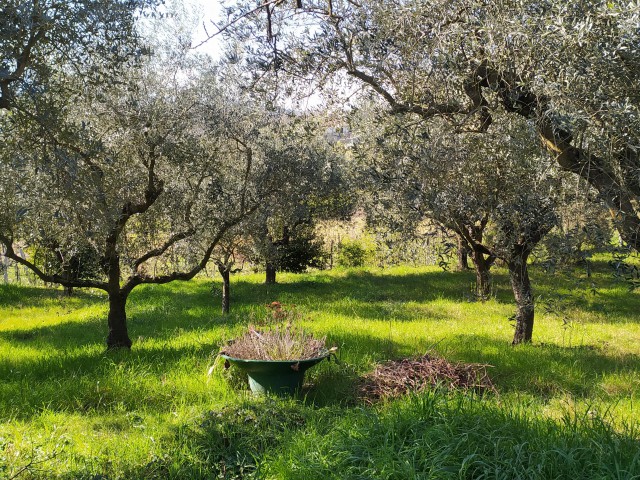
439,436
566,405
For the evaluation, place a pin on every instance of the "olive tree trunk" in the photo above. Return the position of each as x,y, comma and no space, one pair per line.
270,277
482,267
118,336
226,294
463,260
521,285
68,274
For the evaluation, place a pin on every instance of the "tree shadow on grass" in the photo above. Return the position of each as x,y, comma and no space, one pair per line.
159,311
381,296
91,380
20,296
156,309
436,436
88,381
66,337
384,311
543,370
99,382
152,312
367,295
159,314
368,286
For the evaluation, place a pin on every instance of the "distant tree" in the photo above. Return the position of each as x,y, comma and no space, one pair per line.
296,250
286,248
304,251
584,229
493,190
225,256
73,264
416,172
282,231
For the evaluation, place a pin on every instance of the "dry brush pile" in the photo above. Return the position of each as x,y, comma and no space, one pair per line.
398,377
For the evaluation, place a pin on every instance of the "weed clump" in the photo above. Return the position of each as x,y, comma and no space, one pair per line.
228,443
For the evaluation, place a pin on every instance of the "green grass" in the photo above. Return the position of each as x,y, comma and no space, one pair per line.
566,407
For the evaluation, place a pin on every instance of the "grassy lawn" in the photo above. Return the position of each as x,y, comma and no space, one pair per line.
566,407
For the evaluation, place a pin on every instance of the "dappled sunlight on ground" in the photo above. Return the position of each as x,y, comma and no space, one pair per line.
57,377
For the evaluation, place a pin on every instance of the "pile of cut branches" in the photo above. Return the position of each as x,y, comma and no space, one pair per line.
398,377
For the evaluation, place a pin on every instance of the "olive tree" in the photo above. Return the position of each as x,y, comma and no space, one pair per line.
231,248
310,176
282,230
494,191
571,69
416,172
146,173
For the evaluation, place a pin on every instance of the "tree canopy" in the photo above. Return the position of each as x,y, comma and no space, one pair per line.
571,69
43,38
146,173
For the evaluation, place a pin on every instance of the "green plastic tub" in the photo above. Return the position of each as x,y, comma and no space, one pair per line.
281,377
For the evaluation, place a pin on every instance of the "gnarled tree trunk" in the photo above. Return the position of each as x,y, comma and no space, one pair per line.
67,273
523,294
117,320
470,241
463,261
482,266
614,178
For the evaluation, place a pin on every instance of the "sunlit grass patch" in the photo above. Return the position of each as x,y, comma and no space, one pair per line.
139,414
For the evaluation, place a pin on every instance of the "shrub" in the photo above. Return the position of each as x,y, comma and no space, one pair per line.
352,253
299,254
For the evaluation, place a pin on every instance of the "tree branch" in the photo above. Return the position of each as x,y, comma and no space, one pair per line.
480,104
247,172
594,169
236,20
10,253
138,278
397,107
464,232
154,189
22,61
156,252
